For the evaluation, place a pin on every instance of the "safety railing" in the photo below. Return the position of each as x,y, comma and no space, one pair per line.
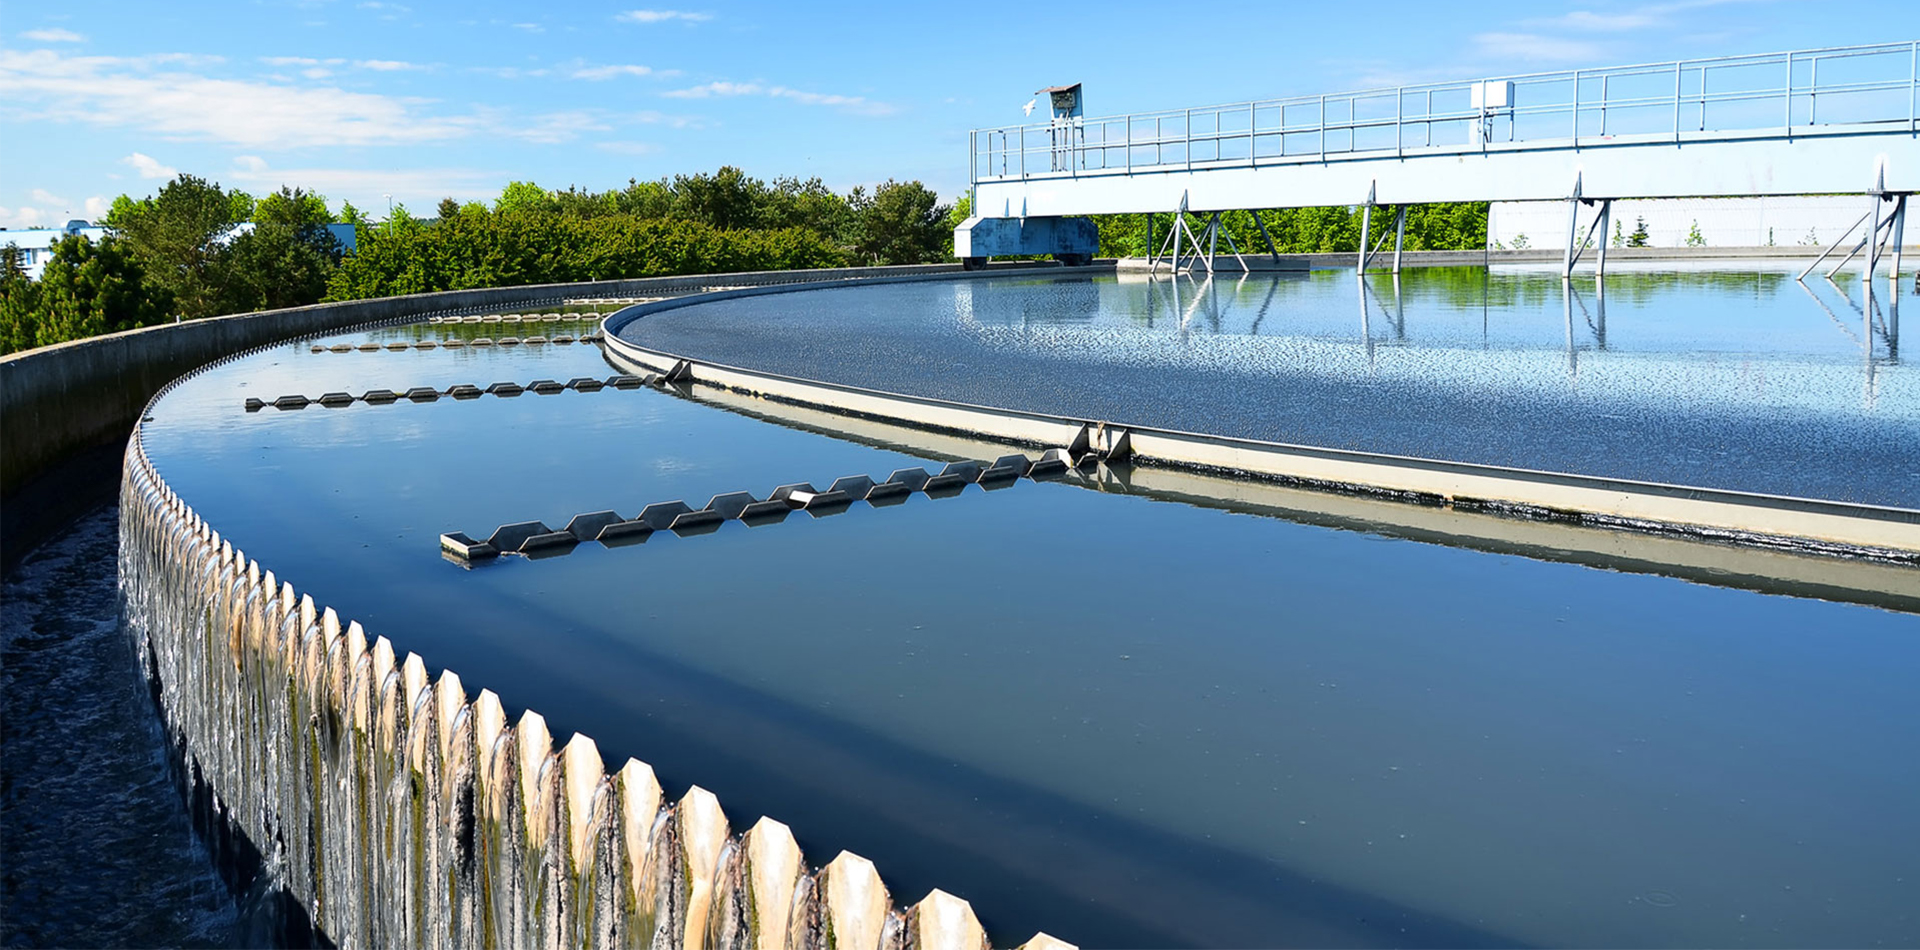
1790,93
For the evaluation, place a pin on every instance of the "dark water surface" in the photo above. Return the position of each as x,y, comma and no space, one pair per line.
96,849
1122,721
1676,373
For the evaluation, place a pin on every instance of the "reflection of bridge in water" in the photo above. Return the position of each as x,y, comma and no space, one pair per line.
1193,302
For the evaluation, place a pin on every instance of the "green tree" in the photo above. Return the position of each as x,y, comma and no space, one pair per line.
728,199
524,196
1639,237
85,290
902,223
19,303
285,260
1694,237
448,209
177,235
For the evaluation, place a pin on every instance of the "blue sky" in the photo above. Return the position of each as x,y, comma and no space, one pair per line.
358,99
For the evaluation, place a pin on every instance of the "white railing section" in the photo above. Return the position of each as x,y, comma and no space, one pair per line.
1801,92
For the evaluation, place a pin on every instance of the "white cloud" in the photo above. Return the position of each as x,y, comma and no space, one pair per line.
1607,22
627,148
316,73
24,217
300,61
53,35
856,104
45,197
598,73
1535,48
137,93
530,27
364,186
97,207
387,11
662,16
715,89
147,167
557,127
387,65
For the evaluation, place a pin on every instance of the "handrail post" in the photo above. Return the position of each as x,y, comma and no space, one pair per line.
1323,128
1789,108
1399,120
1188,135
1813,91
1676,101
1023,153
1130,148
1576,110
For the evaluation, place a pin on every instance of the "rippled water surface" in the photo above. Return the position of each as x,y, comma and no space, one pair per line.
1123,721
96,849
1744,380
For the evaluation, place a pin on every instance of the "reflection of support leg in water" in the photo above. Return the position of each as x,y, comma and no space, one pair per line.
1600,304
1399,309
1262,315
1566,301
1366,331
1829,310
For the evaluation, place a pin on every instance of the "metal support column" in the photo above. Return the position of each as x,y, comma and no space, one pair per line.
1573,228
1366,227
1264,236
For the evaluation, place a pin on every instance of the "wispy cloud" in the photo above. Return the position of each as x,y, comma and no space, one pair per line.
53,35
510,72
386,11
599,73
627,148
300,61
556,127
530,27
142,93
859,105
146,166
662,16
387,65
45,197
366,183
1536,48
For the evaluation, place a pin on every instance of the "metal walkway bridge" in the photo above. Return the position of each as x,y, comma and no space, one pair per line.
1820,121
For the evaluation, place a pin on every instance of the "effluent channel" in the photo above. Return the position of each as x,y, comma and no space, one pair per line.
1127,716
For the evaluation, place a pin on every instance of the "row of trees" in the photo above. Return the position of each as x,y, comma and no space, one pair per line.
179,255
175,255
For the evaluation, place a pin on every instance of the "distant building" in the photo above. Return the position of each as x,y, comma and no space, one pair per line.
35,245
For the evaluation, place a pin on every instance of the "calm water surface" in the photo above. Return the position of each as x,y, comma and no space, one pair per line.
1123,721
1748,381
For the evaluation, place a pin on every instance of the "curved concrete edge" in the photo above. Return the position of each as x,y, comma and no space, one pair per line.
1811,525
399,810
68,407
1884,584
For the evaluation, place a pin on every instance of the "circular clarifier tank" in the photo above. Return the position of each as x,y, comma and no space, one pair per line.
1132,717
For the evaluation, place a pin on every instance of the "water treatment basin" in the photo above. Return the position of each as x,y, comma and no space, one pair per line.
1129,721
